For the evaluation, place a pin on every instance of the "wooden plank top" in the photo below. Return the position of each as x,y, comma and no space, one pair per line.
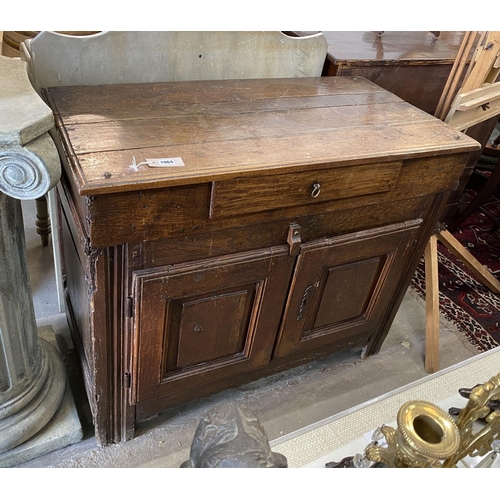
232,128
392,47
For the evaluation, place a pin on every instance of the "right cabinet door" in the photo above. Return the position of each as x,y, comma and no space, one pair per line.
342,287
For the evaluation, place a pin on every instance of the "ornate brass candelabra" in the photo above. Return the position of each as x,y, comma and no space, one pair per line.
426,436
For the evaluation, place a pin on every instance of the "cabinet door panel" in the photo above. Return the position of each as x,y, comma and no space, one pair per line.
203,321
212,327
342,287
349,287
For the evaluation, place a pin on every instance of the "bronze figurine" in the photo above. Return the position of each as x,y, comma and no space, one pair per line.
232,437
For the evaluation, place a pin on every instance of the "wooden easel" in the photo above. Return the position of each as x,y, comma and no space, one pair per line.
477,100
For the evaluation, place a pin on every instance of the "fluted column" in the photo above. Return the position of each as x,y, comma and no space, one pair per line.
32,375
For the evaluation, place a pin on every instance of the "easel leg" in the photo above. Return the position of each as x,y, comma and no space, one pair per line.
480,272
432,306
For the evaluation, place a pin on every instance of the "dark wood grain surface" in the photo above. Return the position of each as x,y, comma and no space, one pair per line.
234,128
415,66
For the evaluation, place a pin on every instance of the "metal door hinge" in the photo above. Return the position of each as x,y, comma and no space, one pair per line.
129,307
127,380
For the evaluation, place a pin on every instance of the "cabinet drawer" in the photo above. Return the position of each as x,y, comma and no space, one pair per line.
255,194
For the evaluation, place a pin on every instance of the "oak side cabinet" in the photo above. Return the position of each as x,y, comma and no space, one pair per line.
283,223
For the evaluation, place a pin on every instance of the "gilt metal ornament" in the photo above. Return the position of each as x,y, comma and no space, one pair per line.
426,436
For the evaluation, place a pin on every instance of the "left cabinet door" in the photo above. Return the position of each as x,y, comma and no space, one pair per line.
203,321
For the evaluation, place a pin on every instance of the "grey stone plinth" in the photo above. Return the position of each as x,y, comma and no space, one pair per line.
62,430
36,405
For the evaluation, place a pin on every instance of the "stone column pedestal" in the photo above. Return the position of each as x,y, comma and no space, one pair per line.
32,376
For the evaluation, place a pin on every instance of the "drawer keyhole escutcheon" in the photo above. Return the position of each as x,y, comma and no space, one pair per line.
315,189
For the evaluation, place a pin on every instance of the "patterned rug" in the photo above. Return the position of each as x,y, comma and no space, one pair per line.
462,299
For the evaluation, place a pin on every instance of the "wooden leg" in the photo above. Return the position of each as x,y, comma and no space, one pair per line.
481,273
432,306
42,220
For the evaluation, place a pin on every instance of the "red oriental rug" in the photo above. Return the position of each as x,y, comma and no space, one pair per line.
464,301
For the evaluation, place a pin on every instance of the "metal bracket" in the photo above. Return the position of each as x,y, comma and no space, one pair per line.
294,239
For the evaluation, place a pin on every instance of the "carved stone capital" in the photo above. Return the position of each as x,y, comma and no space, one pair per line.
29,162
27,173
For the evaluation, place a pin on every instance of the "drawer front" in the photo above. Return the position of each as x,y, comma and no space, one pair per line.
163,213
269,192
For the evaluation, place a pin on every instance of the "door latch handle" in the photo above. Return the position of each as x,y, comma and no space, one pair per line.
294,239
303,302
